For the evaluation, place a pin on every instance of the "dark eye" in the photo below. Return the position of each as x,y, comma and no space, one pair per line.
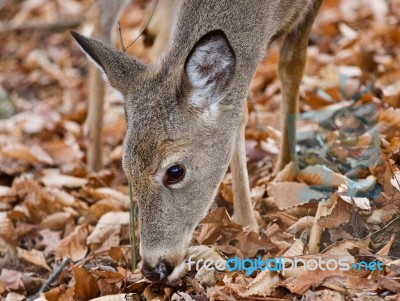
174,174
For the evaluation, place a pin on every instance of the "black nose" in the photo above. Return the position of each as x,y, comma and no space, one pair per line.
159,273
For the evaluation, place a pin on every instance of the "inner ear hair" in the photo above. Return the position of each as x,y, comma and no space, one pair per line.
211,63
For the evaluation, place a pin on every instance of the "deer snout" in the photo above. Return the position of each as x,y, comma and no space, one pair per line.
159,273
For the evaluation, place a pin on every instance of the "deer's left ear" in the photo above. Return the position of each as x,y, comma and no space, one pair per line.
209,68
116,67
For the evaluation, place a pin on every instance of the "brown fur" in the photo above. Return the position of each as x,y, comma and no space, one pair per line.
165,128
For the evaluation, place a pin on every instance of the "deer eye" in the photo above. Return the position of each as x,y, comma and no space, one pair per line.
174,174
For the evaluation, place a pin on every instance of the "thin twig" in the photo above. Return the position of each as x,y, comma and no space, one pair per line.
385,226
144,27
133,229
120,37
51,279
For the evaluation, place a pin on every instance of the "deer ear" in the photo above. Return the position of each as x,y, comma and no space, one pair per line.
209,68
116,67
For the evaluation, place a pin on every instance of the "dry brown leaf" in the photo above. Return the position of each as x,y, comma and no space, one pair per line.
2,288
322,176
41,298
109,193
289,194
389,120
118,297
116,153
61,196
14,297
31,154
393,147
62,152
263,285
152,296
217,223
324,295
60,293
5,192
359,186
33,256
389,283
301,225
286,174
303,280
108,226
57,221
279,239
396,180
11,279
341,249
338,214
257,193
296,249
181,296
38,203
102,207
250,243
58,180
360,202
232,285
269,146
8,235
85,284
386,248
50,240
382,216
283,217
74,245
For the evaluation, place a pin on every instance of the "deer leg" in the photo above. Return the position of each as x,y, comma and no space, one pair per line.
158,32
243,208
291,67
104,19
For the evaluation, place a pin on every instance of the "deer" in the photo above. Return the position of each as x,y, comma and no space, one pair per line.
186,113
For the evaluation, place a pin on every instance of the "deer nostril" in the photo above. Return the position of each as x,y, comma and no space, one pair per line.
158,274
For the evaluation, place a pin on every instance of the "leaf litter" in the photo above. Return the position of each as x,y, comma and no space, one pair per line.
343,202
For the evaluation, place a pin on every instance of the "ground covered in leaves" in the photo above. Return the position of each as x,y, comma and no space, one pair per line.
342,203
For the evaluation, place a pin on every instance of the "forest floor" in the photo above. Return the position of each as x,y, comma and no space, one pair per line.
343,204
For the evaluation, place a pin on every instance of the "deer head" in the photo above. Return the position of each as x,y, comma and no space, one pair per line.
182,116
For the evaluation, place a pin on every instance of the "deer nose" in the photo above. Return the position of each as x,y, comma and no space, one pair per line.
159,273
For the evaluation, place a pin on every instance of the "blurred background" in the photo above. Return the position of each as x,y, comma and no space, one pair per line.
349,123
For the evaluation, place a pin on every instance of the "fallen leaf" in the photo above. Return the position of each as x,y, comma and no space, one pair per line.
11,279
337,215
14,297
301,225
85,284
33,154
34,256
50,240
263,285
289,194
59,180
74,245
108,225
322,176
